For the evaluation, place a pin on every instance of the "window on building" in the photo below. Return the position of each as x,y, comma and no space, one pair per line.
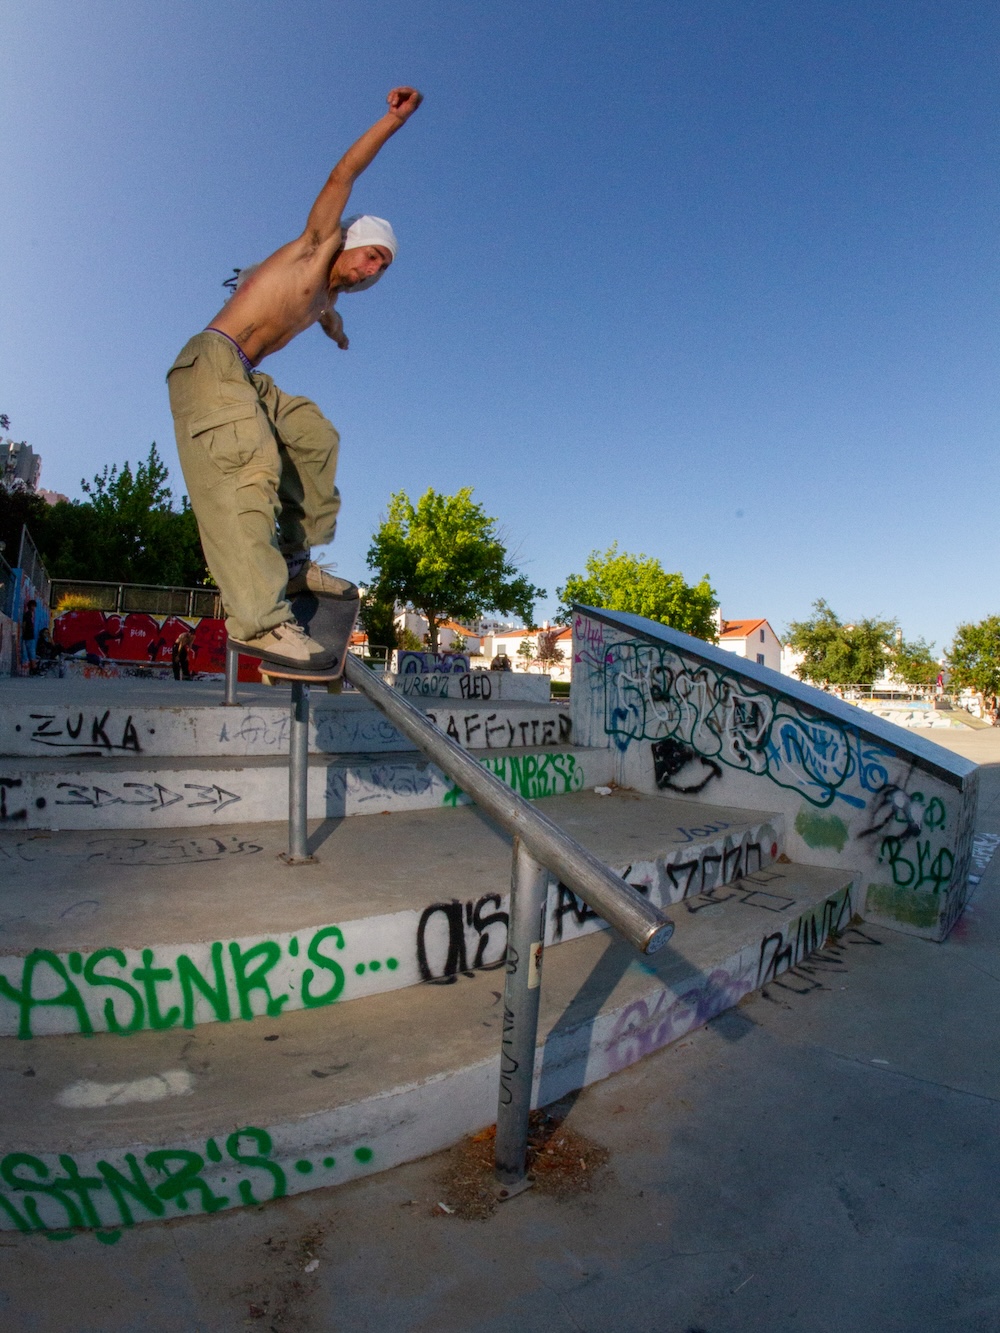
760,659
762,639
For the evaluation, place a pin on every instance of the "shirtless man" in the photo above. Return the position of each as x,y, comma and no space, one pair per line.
260,465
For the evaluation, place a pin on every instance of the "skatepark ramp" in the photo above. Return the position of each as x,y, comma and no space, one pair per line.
190,1024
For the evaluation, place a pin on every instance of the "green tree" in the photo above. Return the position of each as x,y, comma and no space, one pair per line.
127,530
18,508
914,663
445,558
378,620
974,658
839,654
618,581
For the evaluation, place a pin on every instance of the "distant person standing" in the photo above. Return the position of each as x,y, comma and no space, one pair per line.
181,654
28,633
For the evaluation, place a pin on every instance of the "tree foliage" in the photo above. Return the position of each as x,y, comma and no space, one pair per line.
858,654
444,557
378,620
618,581
126,531
974,658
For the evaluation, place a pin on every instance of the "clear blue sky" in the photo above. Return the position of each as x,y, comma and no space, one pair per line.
716,279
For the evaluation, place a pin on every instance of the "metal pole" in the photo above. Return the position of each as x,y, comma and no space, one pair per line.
622,906
232,675
529,882
298,776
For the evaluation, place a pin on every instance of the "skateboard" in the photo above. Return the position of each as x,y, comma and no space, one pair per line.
328,620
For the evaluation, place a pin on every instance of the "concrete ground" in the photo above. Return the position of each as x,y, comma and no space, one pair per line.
823,1158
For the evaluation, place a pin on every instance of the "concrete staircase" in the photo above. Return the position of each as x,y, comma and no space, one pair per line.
189,1024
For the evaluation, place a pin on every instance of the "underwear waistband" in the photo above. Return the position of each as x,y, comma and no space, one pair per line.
247,363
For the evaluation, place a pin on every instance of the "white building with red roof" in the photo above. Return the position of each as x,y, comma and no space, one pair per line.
753,639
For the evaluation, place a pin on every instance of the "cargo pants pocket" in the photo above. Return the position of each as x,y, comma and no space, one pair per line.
233,436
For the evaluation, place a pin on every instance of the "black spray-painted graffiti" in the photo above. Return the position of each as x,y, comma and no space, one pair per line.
8,814
68,733
152,795
459,939
169,1181
786,948
911,809
676,767
114,849
494,732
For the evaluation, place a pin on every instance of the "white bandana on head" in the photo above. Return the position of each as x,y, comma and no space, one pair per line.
364,229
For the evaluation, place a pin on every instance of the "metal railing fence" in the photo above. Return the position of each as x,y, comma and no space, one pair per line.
31,564
153,599
8,588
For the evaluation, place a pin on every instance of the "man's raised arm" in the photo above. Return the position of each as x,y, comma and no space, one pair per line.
326,212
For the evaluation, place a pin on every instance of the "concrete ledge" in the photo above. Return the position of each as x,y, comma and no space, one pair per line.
64,723
108,1133
149,792
139,934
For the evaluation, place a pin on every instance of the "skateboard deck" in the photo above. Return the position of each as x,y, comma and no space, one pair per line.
328,620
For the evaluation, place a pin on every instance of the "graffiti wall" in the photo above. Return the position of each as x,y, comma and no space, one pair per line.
140,637
686,718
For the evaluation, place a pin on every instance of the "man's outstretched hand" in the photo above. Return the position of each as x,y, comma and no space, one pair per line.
403,102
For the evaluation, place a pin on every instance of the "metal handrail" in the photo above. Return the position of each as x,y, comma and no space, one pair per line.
621,905
540,847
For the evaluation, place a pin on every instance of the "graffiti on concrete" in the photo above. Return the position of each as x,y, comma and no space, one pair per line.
718,718
59,1196
531,775
787,947
495,731
461,938
153,795
423,663
139,637
114,849
676,876
84,734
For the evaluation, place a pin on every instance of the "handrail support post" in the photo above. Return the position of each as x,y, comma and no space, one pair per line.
522,989
232,675
298,777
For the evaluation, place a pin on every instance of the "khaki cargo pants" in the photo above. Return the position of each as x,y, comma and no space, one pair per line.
259,468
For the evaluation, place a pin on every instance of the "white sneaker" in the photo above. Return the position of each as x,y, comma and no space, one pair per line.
288,645
314,578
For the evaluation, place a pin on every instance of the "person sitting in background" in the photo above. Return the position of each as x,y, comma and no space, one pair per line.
45,649
181,654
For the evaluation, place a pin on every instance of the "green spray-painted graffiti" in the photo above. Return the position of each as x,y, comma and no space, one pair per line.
530,775
817,830
156,995
113,1196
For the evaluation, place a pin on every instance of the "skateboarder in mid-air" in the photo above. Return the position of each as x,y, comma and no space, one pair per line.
260,465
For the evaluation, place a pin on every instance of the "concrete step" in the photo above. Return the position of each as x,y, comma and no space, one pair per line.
105,1133
147,931
72,719
150,793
